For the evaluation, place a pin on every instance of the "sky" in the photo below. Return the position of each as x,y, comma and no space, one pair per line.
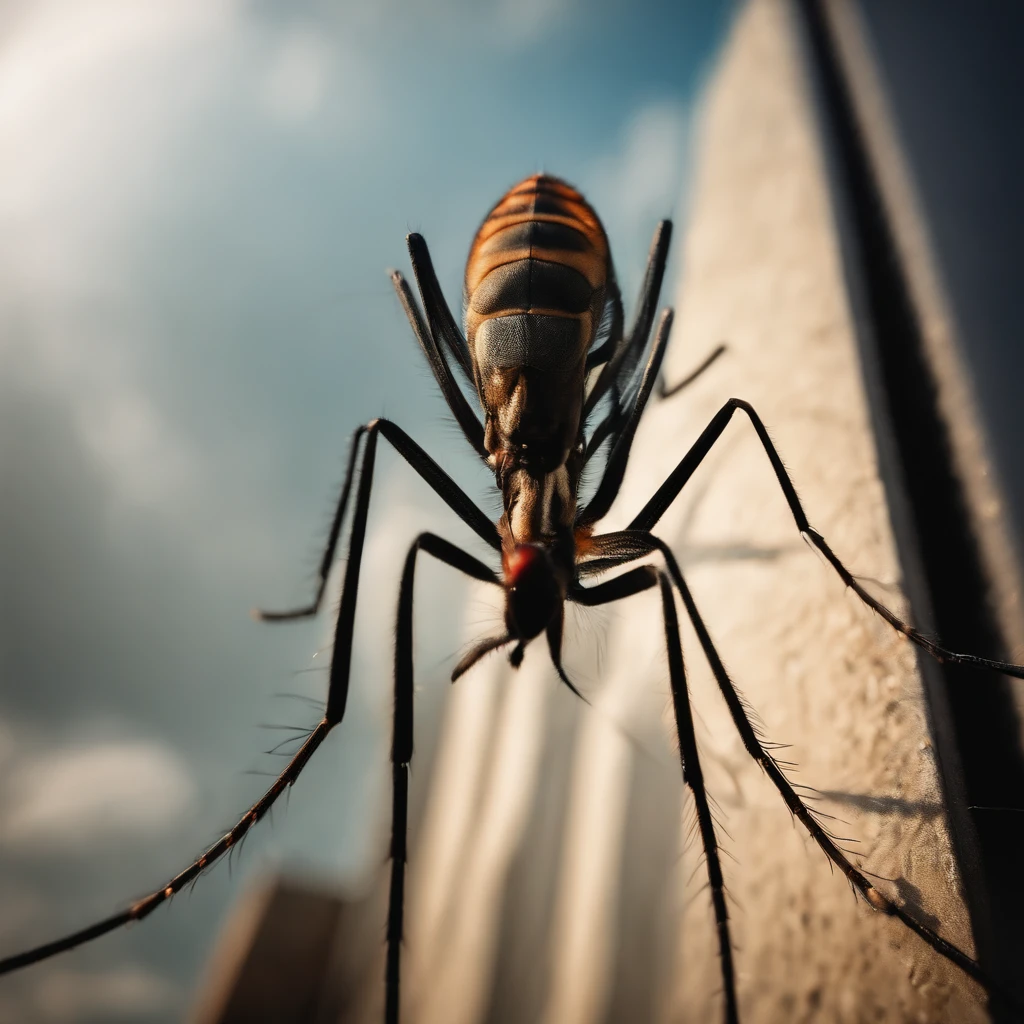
200,200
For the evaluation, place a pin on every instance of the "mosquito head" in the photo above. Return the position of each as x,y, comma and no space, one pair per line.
537,579
534,590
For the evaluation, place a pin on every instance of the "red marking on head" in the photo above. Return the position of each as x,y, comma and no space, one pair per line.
533,596
519,563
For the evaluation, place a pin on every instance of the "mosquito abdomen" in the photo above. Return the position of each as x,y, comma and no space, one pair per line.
535,278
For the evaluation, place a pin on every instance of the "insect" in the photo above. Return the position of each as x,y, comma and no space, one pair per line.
559,379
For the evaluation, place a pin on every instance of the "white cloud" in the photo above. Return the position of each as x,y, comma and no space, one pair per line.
299,75
130,437
90,108
94,794
641,183
644,175
81,100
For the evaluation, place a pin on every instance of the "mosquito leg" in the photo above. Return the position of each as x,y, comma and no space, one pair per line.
327,559
664,391
478,651
666,494
619,548
607,425
629,583
633,582
439,316
443,484
621,355
627,545
467,420
402,741
631,346
427,468
694,778
145,906
464,415
654,274
615,468
599,436
340,665
609,348
875,898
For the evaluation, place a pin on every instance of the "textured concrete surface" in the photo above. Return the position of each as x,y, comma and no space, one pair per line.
762,271
554,876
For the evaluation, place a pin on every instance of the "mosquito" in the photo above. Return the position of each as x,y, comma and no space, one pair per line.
559,379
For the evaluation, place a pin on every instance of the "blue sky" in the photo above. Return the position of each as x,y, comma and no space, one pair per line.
200,201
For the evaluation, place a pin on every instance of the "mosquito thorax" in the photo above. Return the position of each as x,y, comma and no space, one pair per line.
537,507
532,416
535,590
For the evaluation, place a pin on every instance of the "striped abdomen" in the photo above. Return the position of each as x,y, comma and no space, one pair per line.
540,256
536,281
